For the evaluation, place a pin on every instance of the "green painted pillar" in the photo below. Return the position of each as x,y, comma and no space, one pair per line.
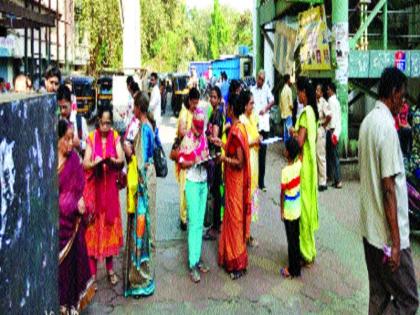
340,26
259,50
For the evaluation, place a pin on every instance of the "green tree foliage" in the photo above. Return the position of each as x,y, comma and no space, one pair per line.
218,32
171,35
100,22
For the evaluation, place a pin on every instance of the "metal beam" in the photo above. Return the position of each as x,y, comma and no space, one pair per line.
385,31
9,7
268,39
365,25
272,9
312,2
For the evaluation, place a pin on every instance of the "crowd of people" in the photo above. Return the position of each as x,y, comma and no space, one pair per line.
220,155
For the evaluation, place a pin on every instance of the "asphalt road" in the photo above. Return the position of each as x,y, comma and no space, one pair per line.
336,284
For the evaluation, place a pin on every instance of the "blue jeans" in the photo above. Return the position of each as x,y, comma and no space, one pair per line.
287,124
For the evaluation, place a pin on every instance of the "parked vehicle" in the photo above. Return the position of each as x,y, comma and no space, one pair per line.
236,67
180,92
413,189
84,88
104,91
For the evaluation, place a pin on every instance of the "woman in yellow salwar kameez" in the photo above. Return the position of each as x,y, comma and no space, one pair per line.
250,120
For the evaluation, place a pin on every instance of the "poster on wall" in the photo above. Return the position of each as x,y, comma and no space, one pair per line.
284,48
313,37
342,49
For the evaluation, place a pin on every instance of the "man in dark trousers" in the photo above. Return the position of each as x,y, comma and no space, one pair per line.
384,204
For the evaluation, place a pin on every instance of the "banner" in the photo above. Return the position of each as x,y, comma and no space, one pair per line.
284,48
313,37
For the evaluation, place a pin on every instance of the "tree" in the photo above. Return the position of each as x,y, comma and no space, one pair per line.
218,32
100,22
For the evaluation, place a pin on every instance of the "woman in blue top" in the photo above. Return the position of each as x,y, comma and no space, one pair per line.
138,272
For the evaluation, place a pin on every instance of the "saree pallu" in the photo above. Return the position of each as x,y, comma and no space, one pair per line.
137,271
75,281
104,236
237,217
251,126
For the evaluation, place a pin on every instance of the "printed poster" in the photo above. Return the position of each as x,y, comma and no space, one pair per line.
313,37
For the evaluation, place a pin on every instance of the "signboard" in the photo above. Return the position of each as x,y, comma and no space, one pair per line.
284,48
400,60
313,37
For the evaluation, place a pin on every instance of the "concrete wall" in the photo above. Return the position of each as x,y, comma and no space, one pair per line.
28,205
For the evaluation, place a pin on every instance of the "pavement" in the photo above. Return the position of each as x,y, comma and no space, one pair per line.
336,284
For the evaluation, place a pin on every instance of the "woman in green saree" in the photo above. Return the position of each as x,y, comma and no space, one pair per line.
306,132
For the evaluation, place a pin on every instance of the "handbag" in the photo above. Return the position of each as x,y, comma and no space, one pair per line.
175,150
159,159
121,179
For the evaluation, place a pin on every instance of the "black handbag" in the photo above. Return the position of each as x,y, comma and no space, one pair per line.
159,159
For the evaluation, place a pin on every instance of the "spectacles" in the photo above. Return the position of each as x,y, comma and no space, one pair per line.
105,123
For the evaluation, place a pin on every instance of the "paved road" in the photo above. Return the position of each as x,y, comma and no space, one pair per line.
336,284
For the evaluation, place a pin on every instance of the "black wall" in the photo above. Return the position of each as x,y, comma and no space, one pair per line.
28,206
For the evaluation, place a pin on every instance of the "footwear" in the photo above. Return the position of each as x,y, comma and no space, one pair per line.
112,278
307,264
202,267
338,185
182,226
209,237
195,275
235,275
264,189
285,272
252,242
322,188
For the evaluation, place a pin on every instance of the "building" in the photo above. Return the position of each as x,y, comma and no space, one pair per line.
34,34
360,38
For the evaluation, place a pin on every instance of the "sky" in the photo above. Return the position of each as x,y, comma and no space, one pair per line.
240,5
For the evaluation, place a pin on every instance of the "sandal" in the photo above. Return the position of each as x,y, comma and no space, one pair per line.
209,237
112,278
202,267
307,264
235,275
195,275
252,242
285,272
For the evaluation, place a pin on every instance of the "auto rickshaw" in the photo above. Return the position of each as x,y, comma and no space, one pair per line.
84,89
104,91
180,92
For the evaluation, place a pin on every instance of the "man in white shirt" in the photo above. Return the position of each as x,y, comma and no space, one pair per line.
155,99
286,107
333,136
321,144
81,131
384,204
264,101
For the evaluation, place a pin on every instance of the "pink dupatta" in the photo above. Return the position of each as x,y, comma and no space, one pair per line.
107,193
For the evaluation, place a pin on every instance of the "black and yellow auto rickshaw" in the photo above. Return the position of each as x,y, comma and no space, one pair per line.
180,92
84,89
104,91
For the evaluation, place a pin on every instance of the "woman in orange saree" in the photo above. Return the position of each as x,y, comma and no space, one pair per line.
233,254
